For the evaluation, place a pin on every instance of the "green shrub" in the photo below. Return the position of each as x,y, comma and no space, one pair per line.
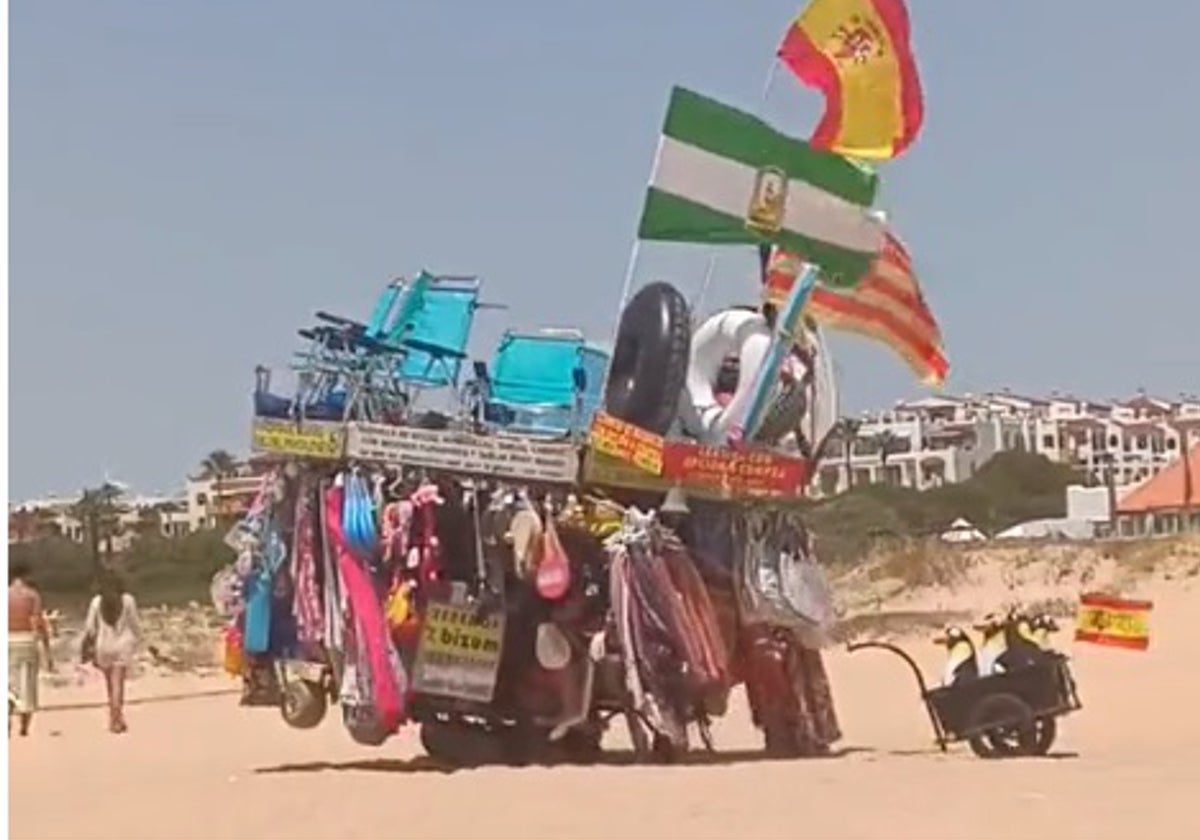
1012,487
157,570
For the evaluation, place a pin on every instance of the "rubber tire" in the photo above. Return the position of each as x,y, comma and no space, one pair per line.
582,746
463,746
1047,731
303,704
650,360
783,415
365,730
1019,722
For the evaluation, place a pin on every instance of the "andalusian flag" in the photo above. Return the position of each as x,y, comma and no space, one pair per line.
857,52
1116,622
725,177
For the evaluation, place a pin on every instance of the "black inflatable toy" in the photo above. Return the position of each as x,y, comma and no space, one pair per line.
650,360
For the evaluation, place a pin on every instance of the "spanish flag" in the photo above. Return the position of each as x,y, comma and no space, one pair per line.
857,52
887,305
1115,622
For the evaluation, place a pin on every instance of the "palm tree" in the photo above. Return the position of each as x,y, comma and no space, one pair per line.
149,522
218,465
847,429
99,510
887,443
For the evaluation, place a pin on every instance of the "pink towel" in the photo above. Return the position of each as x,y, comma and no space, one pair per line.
375,652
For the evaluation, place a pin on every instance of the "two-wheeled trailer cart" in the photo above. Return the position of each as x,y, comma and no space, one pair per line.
1000,715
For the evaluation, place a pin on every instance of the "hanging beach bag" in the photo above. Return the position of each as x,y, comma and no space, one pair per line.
231,658
554,569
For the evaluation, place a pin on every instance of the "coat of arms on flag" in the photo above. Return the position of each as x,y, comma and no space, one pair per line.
1114,622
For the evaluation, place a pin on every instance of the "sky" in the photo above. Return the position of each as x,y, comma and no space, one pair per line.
190,181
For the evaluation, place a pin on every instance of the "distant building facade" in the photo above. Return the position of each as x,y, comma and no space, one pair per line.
944,439
204,501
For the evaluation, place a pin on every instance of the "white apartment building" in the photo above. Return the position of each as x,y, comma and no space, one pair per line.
199,506
945,439
210,497
166,515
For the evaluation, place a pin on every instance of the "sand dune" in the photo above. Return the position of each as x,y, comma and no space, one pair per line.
1125,766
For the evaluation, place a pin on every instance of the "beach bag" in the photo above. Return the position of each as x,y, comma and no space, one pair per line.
231,656
397,607
87,648
554,569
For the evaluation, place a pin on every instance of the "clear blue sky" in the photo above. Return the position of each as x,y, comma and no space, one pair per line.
190,180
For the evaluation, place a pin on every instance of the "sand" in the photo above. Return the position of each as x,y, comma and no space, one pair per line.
1126,766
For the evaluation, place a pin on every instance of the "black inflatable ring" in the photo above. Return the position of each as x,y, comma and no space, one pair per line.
650,359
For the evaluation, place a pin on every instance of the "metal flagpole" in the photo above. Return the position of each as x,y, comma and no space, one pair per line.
630,269
637,246
768,84
708,276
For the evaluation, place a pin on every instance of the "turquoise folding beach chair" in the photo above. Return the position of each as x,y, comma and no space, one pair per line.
433,326
546,382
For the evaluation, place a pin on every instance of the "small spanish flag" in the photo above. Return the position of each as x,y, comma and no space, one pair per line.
857,52
1116,622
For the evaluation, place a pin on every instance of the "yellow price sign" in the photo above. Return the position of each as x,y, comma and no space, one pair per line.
456,632
305,441
626,442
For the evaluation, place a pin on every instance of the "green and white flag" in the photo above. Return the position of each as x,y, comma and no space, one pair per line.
725,177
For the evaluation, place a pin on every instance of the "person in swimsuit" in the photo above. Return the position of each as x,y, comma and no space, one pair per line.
26,629
115,630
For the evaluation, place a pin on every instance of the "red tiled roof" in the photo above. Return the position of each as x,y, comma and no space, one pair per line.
1168,489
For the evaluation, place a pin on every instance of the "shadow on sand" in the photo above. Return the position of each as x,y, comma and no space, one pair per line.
615,758
626,758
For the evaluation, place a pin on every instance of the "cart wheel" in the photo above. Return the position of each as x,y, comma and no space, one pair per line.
638,736
665,751
459,745
303,704
1004,727
706,736
1047,731
582,745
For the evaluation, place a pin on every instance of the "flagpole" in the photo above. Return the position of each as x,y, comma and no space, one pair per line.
768,84
629,271
708,276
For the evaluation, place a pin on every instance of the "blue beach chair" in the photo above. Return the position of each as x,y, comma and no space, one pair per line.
415,340
546,382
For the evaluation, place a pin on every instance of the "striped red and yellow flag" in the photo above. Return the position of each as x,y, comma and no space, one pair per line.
1115,622
858,53
887,305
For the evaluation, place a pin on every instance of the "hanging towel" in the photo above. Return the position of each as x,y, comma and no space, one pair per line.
306,599
375,656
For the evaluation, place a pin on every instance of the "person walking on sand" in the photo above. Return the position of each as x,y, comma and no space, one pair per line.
26,628
112,634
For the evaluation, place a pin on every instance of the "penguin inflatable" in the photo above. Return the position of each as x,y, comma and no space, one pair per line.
1043,625
961,662
1020,646
992,644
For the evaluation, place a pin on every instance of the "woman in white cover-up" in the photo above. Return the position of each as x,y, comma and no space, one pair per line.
112,635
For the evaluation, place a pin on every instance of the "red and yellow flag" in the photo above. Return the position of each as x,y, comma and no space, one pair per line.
857,52
887,305
1115,622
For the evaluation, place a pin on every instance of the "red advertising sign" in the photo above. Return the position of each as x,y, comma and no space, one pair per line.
624,455
733,472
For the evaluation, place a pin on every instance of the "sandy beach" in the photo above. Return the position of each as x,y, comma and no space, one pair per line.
1125,766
